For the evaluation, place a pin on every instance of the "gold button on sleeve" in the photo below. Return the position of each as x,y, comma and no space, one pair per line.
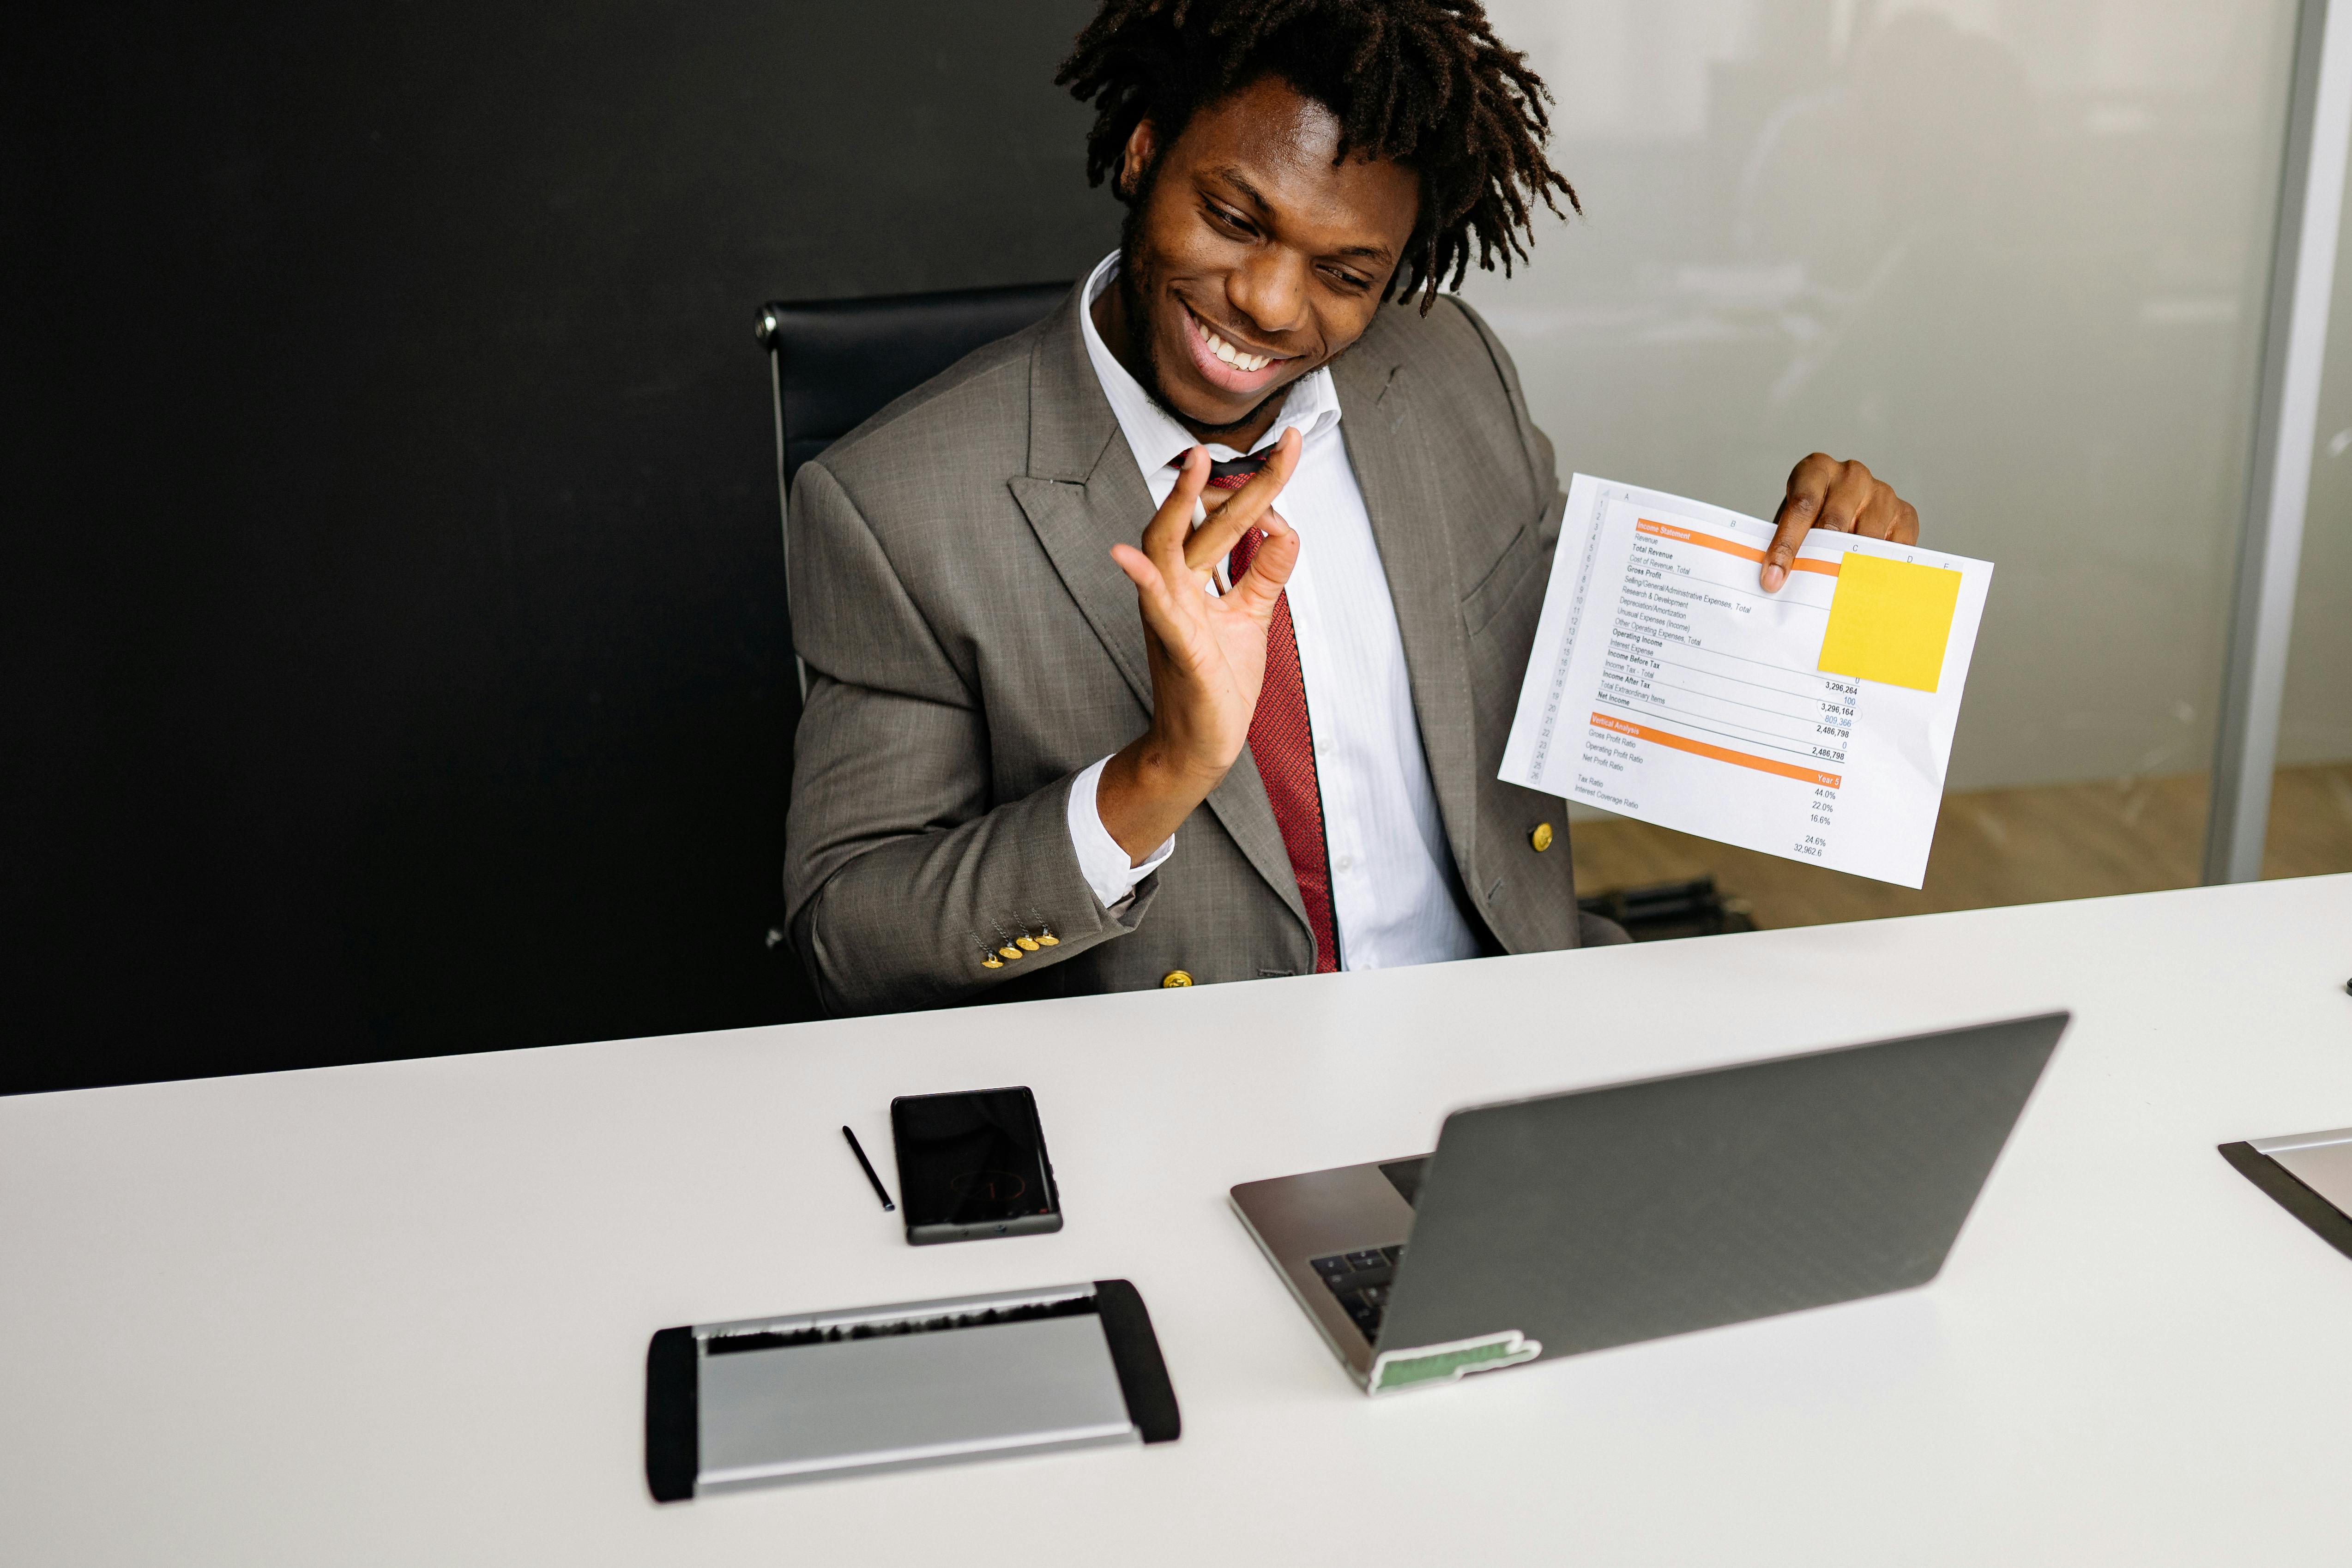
1175,978
1025,943
1009,952
1542,836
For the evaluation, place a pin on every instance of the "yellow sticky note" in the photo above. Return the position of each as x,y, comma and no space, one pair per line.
1889,621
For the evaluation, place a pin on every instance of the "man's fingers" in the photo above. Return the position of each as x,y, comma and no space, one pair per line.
1809,486
1242,513
1207,544
1139,570
1876,520
1161,617
1789,526
1888,516
1165,535
1244,509
1284,461
1845,498
1269,569
1850,496
1215,539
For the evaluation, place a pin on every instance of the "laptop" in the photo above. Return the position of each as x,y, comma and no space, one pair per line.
1573,1222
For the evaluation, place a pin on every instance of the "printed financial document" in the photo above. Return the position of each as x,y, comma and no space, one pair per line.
1814,723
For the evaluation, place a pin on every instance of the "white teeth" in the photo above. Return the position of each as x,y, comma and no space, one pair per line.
1229,354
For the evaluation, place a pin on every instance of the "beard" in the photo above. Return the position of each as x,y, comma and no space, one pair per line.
1137,282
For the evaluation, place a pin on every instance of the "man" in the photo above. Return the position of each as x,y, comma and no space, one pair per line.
1051,611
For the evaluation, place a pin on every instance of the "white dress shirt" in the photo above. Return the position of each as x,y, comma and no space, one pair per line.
1393,880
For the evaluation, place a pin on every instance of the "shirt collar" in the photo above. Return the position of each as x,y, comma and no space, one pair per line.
1312,405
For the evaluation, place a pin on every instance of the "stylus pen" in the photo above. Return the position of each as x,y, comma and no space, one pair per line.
868,1166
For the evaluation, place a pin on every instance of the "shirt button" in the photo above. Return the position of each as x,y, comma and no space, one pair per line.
1347,862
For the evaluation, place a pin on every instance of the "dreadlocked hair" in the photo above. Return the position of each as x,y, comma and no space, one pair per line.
1423,83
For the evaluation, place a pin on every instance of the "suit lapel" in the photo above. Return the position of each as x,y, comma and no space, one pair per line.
1407,507
1082,495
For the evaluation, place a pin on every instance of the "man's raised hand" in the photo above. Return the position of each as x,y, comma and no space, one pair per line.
1206,652
1845,498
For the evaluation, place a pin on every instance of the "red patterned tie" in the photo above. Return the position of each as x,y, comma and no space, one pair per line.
1283,742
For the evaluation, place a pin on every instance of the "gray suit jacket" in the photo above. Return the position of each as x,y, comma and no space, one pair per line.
972,647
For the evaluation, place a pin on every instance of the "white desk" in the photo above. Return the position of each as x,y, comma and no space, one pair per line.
397,1314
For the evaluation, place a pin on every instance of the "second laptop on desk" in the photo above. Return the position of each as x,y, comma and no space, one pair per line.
1577,1221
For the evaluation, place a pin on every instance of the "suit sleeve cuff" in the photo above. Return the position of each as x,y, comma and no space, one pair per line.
1104,863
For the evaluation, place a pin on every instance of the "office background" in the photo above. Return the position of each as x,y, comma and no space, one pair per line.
393,622
394,647
2014,254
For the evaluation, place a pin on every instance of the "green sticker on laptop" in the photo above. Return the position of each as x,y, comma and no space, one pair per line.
1392,1370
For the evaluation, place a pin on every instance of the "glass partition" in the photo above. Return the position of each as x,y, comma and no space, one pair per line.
2011,254
2310,798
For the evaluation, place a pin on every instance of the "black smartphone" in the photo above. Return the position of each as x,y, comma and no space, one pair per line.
972,1165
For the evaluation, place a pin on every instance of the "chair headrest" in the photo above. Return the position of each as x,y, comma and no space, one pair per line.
838,362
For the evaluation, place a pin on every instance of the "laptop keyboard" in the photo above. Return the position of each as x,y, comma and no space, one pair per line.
1361,1280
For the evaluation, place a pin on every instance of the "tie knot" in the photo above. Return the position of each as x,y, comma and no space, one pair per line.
1227,473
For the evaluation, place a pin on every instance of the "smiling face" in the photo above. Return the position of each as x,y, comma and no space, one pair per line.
1252,258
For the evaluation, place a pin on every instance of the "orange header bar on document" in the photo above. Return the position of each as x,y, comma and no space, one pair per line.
1720,753
1686,536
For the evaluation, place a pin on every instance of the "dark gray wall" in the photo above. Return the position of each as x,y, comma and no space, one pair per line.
392,655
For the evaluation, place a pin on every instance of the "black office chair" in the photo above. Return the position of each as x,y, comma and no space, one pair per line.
834,363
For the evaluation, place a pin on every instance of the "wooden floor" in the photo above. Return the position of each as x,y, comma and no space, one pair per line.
1997,846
